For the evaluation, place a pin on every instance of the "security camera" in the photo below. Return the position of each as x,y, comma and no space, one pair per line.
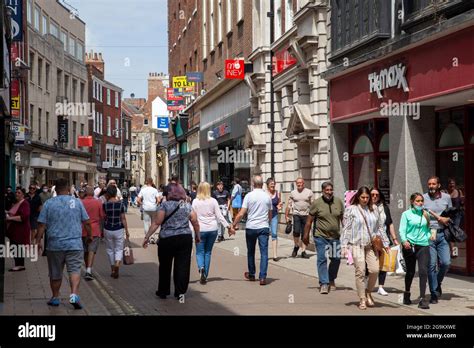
203,92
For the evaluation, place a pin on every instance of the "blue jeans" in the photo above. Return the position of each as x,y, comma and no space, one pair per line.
324,248
440,260
274,227
204,250
251,236
125,204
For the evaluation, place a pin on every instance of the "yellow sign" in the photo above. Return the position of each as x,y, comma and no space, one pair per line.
181,81
15,103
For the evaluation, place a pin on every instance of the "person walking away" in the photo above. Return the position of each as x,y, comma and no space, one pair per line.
378,199
64,217
95,210
258,207
193,192
208,215
362,223
125,196
18,227
326,213
223,200
275,196
300,200
415,236
34,200
133,195
10,198
114,226
176,242
440,256
148,199
236,198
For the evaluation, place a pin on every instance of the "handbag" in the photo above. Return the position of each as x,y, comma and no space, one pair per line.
289,227
388,260
156,236
454,233
128,258
376,241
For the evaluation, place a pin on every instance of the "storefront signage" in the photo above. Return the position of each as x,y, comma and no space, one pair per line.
173,94
176,107
235,69
181,81
220,131
194,77
63,131
282,60
84,141
163,122
15,98
173,151
19,134
175,102
388,78
17,19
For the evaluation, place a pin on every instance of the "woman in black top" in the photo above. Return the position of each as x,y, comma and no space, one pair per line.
115,224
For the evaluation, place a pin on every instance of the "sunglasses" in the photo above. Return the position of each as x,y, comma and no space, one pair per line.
32,188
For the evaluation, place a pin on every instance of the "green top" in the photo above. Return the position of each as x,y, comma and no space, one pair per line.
414,228
327,217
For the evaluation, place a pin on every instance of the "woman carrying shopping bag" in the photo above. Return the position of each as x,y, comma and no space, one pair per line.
415,237
364,231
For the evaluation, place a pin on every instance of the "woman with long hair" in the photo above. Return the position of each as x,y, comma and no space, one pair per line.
378,199
208,215
275,196
415,237
361,224
176,241
18,226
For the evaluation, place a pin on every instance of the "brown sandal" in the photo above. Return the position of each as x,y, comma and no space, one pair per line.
370,300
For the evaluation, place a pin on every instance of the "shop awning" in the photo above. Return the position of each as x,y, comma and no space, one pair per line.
254,137
301,126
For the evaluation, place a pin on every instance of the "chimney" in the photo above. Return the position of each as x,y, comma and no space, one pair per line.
96,60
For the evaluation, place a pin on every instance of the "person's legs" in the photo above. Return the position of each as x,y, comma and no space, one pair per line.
423,257
432,269
118,247
263,236
274,231
73,266
335,259
209,243
251,239
56,261
200,250
321,260
109,246
165,258
182,263
382,277
358,255
147,217
410,261
372,261
444,256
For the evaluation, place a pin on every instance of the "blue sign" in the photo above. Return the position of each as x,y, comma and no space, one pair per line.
194,77
163,122
17,19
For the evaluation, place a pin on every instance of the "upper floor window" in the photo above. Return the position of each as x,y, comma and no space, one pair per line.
108,96
44,26
80,51
37,18
64,39
117,99
54,29
72,46
228,16
288,14
29,8
240,11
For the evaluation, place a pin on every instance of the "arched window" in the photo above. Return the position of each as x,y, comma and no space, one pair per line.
451,137
363,145
384,145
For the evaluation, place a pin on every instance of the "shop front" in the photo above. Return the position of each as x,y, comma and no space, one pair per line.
403,119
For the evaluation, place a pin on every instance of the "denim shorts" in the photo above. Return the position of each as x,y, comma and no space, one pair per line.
73,259
299,221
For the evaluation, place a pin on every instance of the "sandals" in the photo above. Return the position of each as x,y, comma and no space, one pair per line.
370,300
362,304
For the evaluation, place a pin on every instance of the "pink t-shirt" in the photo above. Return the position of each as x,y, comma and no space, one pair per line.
208,214
96,214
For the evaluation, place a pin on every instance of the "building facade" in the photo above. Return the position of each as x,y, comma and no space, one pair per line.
401,101
57,85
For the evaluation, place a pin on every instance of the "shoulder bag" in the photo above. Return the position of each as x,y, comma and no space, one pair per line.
154,238
376,241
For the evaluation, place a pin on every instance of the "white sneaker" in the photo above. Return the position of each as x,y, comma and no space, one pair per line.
382,292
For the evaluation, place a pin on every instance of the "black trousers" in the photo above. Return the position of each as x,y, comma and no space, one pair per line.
422,254
19,261
174,252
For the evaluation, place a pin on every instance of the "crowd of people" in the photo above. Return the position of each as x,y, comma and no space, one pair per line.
174,218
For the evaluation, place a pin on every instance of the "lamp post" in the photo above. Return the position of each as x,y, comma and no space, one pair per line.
271,125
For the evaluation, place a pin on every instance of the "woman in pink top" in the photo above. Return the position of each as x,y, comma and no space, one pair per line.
208,212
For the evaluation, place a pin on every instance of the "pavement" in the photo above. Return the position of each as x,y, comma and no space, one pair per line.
292,288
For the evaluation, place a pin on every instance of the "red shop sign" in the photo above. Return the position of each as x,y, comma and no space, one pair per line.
235,69
84,141
282,60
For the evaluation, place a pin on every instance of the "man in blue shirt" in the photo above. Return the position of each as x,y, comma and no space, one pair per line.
64,216
440,256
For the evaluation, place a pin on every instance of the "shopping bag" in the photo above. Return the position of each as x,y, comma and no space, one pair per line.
128,254
401,266
350,259
388,260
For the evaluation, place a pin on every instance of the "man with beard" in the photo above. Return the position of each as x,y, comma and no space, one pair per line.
327,213
440,256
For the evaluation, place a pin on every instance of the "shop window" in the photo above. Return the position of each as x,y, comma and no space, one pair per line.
363,145
451,137
384,145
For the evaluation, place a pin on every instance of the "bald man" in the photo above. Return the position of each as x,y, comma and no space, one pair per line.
96,215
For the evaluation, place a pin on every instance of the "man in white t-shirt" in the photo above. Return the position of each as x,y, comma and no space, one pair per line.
99,189
258,207
148,199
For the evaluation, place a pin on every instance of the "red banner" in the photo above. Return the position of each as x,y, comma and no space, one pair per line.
282,61
84,141
235,69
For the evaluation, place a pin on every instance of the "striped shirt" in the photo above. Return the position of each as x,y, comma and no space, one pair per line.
113,221
355,231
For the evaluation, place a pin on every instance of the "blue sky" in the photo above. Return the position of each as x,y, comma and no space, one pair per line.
132,37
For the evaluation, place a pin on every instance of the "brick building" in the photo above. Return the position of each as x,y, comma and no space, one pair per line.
202,35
